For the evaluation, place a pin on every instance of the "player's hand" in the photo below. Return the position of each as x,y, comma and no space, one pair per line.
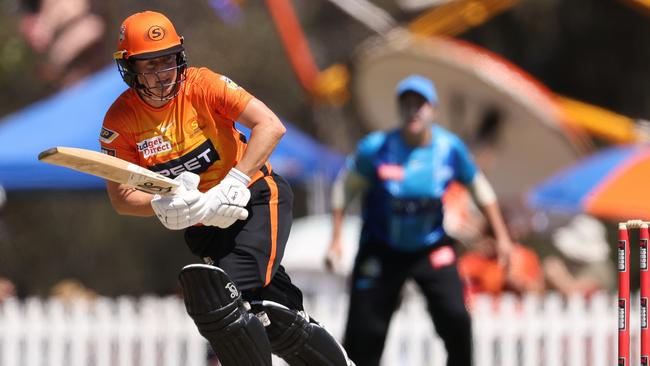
334,256
222,214
234,187
228,200
185,207
503,248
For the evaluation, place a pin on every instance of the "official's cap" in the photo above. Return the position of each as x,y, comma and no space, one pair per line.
420,85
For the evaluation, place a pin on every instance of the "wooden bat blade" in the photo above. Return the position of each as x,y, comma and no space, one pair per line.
108,167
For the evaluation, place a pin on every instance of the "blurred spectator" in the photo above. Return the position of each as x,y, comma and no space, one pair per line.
582,265
482,273
70,290
479,267
67,35
7,289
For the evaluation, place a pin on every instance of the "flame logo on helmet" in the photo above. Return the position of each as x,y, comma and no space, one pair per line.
156,33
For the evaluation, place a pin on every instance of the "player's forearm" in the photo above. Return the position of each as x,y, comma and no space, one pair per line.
348,185
129,201
486,199
264,138
266,132
337,224
495,219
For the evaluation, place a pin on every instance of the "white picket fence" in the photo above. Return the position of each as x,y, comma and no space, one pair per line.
157,331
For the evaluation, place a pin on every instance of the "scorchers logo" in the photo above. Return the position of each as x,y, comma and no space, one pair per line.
196,161
153,146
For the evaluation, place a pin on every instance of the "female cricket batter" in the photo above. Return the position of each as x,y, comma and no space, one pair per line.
179,121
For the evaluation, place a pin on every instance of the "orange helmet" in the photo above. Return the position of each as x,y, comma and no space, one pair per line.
146,35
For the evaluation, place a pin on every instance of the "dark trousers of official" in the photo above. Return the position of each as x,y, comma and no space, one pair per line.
378,277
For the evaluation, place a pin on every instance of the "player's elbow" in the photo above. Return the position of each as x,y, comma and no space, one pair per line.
122,210
128,201
125,208
278,128
119,206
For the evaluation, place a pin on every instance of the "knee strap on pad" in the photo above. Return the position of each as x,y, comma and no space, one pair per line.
297,340
213,301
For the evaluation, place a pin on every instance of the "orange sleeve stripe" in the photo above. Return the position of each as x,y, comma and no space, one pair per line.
273,215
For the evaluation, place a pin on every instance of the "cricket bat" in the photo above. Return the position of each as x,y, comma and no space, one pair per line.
110,168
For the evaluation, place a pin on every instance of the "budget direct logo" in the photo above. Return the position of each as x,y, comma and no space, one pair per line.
153,146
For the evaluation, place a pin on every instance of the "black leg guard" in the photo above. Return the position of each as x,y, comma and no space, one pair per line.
297,340
212,300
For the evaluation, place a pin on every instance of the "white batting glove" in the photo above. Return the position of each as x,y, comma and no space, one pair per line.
185,207
233,194
222,214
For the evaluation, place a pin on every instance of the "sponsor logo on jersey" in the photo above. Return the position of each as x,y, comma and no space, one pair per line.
196,161
107,136
390,172
622,256
195,127
110,152
229,83
153,146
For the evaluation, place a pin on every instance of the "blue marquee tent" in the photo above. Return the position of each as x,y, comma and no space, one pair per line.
73,118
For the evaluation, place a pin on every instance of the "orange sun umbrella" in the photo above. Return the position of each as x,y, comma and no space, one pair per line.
613,183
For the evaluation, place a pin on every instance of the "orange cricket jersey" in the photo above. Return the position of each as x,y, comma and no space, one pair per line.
193,132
